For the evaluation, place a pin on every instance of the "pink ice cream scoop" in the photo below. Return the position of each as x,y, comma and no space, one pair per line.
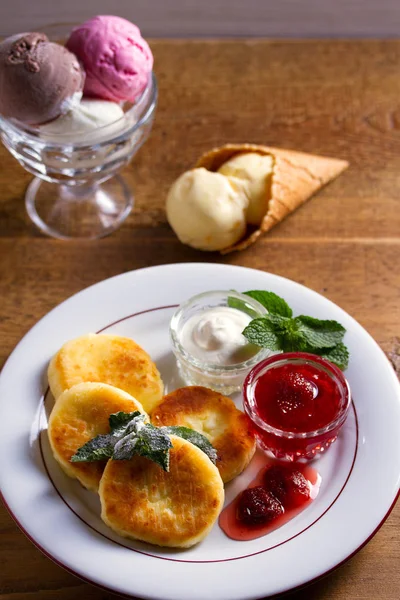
117,60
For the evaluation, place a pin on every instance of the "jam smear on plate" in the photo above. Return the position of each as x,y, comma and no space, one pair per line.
279,492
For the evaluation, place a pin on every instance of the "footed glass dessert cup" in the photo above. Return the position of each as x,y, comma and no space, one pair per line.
76,192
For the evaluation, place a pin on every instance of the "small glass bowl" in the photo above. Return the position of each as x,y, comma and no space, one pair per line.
224,379
291,445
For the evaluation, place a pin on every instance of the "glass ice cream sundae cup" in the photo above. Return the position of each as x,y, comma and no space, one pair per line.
76,192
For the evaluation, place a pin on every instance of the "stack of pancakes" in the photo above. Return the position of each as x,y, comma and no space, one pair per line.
96,375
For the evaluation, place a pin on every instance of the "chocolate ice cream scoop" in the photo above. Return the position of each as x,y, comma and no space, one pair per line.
39,80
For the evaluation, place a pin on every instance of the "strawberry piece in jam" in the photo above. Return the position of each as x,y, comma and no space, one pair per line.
256,506
288,485
236,518
295,394
297,398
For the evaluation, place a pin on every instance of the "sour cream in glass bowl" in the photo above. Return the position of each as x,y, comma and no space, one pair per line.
207,339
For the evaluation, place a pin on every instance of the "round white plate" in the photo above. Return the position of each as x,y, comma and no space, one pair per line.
360,472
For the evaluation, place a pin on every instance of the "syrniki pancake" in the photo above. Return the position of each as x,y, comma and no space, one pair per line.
216,417
81,413
176,508
111,359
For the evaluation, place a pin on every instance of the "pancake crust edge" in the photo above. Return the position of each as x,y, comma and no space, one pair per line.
216,417
177,509
80,414
104,358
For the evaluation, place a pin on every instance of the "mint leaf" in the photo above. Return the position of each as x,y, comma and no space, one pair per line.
291,338
242,306
272,302
119,421
279,330
279,323
194,437
130,436
299,334
339,355
124,427
154,444
99,448
319,334
286,330
263,332
124,448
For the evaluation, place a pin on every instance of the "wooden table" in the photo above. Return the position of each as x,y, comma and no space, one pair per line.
330,97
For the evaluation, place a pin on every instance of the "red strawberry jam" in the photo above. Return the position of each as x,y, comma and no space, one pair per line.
288,485
297,397
256,506
277,494
297,403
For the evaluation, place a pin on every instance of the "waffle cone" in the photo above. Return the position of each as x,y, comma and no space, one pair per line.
296,177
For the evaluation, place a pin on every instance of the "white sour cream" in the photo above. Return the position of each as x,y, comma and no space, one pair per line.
215,336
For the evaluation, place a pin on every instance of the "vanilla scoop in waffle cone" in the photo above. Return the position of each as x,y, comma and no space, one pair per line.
290,179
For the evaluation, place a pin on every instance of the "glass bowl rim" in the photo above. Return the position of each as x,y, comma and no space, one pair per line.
213,368
31,135
304,358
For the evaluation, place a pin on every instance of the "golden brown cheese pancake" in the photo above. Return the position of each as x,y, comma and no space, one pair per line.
141,501
105,358
216,417
80,414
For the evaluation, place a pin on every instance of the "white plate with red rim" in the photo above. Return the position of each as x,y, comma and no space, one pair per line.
63,519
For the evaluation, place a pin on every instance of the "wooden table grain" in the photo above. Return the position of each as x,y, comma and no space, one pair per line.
338,98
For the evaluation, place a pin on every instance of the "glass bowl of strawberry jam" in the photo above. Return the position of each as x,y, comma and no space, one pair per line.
297,403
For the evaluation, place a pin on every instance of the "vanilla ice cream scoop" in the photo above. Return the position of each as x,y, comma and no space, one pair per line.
88,117
255,171
207,210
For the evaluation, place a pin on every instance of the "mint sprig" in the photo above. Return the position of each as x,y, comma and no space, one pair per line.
262,332
338,355
240,304
130,435
319,333
272,302
279,330
196,438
